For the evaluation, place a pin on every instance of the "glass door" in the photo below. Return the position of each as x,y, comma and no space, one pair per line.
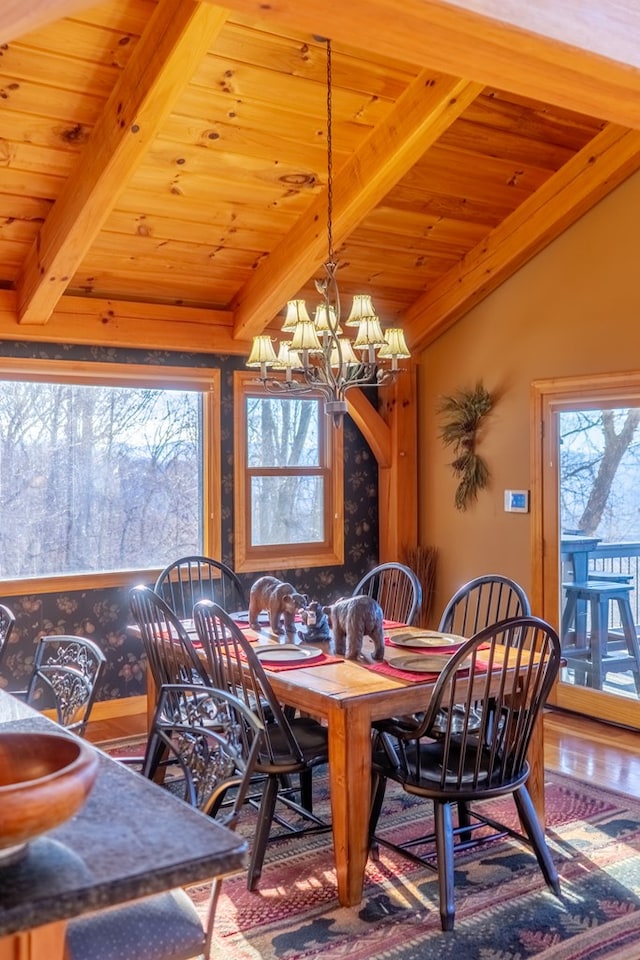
587,509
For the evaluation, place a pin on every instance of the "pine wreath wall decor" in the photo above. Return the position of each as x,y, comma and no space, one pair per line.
462,413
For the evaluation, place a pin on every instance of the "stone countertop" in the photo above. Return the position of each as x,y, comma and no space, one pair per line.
131,838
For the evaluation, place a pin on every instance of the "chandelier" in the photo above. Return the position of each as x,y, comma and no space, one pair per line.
314,354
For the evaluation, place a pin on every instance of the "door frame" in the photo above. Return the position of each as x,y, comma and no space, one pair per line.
549,397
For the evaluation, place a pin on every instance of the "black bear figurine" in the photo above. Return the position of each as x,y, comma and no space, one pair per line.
316,623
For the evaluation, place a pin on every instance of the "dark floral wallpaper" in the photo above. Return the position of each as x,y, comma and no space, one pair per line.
103,615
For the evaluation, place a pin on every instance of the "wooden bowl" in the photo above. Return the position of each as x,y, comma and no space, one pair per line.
44,779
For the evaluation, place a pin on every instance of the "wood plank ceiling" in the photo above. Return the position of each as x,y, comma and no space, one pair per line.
163,175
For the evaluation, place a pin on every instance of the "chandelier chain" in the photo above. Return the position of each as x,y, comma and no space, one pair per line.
329,156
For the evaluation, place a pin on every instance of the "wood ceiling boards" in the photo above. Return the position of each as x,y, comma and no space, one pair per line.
163,165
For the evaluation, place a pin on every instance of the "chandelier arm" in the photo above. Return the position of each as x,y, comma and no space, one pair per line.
276,386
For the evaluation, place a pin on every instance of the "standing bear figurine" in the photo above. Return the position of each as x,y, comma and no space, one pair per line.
351,620
280,599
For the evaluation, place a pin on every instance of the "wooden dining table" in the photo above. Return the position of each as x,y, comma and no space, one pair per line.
350,695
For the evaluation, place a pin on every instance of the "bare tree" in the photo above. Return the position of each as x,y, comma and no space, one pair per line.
282,437
615,446
594,444
97,478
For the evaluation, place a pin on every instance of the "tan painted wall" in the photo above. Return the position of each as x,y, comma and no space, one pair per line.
574,309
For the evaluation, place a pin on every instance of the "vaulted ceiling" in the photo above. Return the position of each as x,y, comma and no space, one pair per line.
163,164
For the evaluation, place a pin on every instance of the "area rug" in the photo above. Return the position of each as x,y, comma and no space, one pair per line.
503,909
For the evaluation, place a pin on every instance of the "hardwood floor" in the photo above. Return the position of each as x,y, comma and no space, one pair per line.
598,752
601,753
102,731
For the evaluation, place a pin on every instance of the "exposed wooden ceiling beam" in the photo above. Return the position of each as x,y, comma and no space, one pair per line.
584,56
421,115
372,426
171,48
595,171
121,323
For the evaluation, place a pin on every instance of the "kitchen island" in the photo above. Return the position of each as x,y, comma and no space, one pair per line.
130,839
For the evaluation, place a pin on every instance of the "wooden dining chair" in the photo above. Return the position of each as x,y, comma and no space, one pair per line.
170,653
213,741
189,579
292,747
397,589
477,604
508,669
7,623
481,602
66,679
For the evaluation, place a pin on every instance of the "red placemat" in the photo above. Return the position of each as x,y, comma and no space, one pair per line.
320,661
391,624
413,677
388,671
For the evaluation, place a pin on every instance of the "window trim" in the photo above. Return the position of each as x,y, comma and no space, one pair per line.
249,559
89,373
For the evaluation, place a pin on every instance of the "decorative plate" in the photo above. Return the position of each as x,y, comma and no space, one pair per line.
428,639
286,653
243,617
420,662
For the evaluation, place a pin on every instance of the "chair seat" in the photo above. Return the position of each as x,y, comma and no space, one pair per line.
163,927
311,737
470,779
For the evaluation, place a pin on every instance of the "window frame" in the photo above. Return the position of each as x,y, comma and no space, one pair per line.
89,373
251,559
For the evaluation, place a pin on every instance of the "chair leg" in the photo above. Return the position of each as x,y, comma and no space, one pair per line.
306,790
265,819
444,847
378,788
156,754
535,833
464,820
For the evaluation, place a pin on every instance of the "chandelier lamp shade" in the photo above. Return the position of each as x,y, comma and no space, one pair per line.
314,354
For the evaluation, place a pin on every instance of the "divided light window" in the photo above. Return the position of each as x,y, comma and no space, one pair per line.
104,468
288,495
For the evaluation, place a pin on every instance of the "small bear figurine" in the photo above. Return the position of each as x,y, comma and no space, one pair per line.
353,618
280,599
316,622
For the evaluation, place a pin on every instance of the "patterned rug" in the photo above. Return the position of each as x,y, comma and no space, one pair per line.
503,909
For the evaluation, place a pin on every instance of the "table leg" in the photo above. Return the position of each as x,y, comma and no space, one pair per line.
569,619
350,763
535,784
599,637
152,697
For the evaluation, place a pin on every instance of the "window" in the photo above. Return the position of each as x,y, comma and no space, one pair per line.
104,468
289,483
